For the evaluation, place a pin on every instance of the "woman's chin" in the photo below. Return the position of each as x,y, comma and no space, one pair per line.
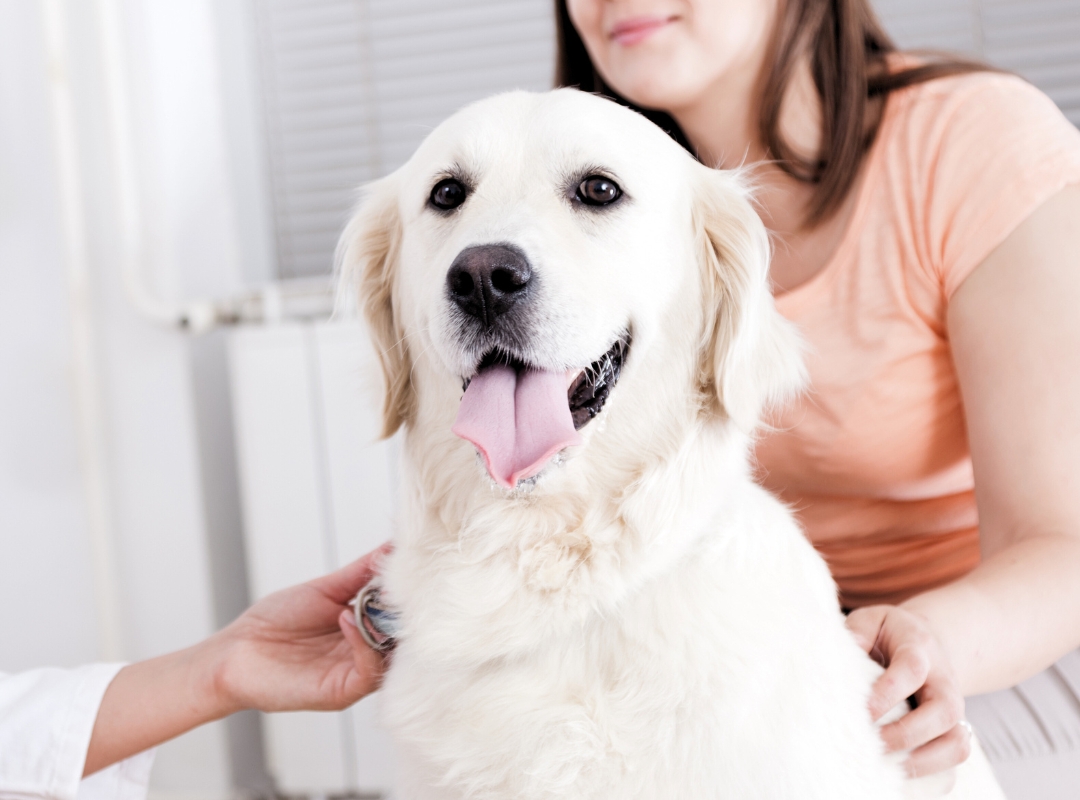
662,72
653,84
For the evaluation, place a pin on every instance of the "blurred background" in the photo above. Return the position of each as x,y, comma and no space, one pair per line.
182,430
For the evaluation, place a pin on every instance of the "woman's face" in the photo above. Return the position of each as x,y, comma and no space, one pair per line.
665,54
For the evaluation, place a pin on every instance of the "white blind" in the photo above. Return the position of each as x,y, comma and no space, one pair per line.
949,25
1039,39
351,87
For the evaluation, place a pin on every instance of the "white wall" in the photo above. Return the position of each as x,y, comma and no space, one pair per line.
168,512
44,552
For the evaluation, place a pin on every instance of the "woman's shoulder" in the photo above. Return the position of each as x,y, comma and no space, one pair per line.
958,88
974,154
982,111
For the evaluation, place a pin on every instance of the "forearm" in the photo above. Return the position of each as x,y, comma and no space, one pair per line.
153,701
1012,616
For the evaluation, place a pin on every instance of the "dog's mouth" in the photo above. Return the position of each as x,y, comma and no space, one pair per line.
520,417
588,391
593,385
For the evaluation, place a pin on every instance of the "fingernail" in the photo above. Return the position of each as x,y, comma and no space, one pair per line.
349,616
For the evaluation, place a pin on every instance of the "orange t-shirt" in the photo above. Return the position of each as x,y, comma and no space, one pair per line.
874,457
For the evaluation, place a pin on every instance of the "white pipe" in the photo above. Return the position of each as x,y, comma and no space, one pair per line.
118,113
199,316
196,316
93,449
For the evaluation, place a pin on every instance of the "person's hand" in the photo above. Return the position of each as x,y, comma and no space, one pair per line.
915,665
295,650
299,649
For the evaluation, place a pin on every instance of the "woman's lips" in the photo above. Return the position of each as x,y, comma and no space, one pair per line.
637,29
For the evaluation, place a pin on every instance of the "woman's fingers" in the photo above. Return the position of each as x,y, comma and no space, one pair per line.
908,668
369,664
944,752
865,625
915,665
938,713
347,623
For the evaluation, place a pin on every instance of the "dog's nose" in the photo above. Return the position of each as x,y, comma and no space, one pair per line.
488,280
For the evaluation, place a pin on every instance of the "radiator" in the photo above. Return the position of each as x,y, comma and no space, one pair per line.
317,490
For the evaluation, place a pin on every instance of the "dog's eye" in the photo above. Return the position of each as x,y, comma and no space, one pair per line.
597,190
447,194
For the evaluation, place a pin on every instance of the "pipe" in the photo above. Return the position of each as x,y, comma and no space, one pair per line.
93,448
304,299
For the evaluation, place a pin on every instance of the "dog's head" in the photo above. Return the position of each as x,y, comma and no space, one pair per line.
558,258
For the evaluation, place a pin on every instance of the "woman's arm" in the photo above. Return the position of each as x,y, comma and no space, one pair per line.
1014,326
296,649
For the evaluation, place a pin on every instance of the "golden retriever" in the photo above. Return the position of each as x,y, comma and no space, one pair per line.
595,599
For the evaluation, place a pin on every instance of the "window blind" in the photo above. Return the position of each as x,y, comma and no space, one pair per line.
1038,39
948,25
351,87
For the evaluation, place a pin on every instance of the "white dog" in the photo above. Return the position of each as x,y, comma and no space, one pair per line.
603,604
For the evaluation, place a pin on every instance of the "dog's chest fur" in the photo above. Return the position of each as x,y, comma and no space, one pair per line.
675,666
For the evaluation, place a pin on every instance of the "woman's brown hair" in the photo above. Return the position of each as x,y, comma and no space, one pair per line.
849,53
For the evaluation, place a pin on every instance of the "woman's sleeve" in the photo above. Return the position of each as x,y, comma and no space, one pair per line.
46,719
1000,148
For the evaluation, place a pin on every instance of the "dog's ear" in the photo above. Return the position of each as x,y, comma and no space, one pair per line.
751,356
366,259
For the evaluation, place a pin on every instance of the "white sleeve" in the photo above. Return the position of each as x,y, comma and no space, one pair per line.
46,718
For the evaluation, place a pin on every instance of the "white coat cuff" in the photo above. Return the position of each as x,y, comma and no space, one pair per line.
46,719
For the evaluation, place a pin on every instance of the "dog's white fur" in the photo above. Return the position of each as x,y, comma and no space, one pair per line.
644,621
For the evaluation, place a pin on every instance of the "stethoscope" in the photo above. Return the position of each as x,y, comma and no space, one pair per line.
377,623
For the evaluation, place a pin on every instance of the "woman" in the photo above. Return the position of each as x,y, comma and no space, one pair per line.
294,650
927,224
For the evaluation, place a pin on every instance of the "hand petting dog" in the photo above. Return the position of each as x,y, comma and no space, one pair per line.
916,666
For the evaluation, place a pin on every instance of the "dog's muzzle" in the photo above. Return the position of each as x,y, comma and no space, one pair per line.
518,415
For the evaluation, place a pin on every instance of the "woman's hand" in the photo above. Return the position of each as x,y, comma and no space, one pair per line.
915,665
297,649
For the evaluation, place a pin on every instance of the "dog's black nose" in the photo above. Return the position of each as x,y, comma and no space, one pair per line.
488,280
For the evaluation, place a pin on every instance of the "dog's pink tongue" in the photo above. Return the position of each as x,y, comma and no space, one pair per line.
517,421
